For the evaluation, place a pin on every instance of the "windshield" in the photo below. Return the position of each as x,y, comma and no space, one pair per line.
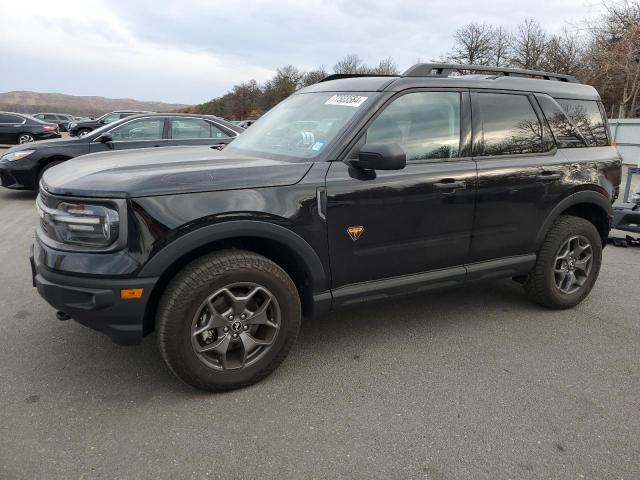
301,126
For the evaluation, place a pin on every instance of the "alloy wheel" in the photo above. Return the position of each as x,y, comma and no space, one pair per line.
572,264
235,326
25,138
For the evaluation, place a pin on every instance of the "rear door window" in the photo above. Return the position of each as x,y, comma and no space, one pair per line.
510,125
186,128
586,115
6,118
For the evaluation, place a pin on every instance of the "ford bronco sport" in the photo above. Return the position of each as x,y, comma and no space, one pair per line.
356,188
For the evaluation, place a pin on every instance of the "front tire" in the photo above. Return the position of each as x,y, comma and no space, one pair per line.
227,320
83,131
567,265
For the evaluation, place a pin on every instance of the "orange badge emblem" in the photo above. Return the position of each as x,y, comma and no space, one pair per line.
355,232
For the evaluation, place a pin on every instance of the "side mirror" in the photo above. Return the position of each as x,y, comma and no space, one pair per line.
104,138
381,156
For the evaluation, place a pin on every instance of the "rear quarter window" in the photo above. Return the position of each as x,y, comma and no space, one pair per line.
565,132
586,115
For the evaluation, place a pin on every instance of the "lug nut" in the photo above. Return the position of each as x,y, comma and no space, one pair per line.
230,317
246,327
235,335
243,316
225,329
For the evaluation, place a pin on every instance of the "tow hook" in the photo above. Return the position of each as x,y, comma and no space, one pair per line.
62,316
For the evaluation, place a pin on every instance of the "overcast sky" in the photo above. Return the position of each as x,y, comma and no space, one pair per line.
190,51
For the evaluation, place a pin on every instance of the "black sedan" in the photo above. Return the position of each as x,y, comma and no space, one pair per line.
79,129
22,166
20,128
62,119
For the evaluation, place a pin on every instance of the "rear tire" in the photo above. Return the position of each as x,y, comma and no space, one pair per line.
567,265
211,336
23,138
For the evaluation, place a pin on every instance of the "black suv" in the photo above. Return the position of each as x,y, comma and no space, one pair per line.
79,129
352,189
22,166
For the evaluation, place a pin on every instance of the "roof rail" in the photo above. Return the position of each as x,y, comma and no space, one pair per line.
445,69
339,76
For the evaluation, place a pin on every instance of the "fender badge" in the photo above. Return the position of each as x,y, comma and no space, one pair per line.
355,232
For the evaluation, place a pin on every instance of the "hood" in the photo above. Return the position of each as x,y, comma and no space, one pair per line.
58,142
168,170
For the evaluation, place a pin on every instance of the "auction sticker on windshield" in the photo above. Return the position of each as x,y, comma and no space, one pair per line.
346,100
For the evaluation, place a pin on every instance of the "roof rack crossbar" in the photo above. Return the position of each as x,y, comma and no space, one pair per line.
445,69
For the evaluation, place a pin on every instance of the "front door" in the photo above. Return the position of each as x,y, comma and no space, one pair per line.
388,224
144,132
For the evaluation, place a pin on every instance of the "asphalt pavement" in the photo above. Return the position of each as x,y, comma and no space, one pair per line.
474,383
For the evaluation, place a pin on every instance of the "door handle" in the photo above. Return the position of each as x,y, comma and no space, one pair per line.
548,176
449,185
219,146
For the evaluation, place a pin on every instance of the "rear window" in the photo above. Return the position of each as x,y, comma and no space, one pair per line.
586,115
510,125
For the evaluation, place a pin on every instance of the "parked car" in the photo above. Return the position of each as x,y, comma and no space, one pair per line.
61,119
79,129
350,190
19,128
21,167
244,123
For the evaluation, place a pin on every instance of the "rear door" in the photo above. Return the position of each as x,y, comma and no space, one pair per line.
9,128
387,224
521,174
197,131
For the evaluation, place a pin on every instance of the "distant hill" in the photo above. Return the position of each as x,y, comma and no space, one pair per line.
33,102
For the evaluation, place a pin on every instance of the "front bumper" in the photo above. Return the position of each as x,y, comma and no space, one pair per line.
627,218
95,302
19,175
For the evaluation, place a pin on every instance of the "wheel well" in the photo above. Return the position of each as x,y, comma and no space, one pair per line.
593,214
56,158
283,256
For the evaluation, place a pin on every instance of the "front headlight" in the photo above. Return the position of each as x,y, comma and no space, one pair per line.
79,223
12,157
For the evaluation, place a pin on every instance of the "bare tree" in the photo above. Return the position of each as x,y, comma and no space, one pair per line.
501,42
352,63
314,76
386,66
529,44
564,53
472,44
613,60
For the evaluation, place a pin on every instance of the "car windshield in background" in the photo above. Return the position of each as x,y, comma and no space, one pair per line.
301,126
